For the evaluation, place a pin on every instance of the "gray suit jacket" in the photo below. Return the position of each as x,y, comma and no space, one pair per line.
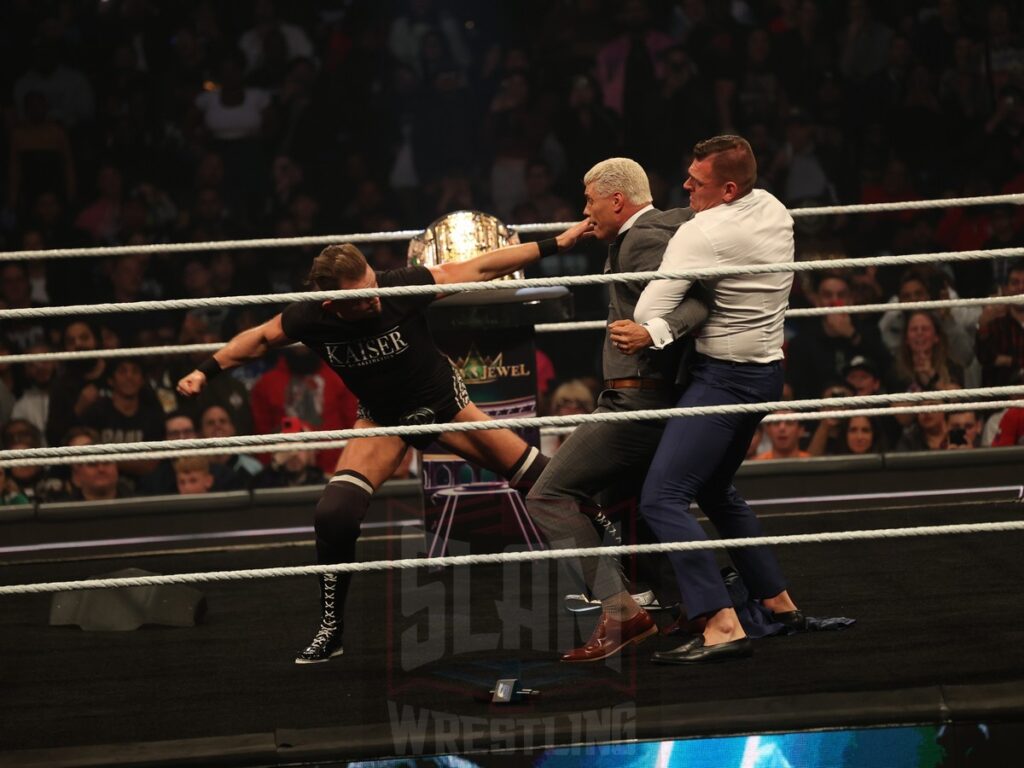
641,250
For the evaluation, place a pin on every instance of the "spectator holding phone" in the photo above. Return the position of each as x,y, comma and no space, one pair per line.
964,430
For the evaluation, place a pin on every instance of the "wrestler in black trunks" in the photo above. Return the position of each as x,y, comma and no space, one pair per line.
382,349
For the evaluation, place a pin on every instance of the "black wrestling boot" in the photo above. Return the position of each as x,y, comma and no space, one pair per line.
327,641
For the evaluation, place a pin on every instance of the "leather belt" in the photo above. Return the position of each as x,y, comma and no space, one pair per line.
636,383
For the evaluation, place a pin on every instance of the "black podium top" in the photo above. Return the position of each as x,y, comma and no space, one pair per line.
502,308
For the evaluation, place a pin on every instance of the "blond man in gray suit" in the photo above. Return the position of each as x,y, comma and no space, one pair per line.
636,377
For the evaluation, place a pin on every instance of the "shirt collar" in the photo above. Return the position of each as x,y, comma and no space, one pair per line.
632,219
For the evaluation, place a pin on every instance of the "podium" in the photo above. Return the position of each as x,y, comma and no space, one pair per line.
490,337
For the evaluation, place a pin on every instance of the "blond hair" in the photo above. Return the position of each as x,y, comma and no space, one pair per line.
620,174
191,464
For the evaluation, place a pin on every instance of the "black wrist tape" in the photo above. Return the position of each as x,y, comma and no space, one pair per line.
210,367
548,247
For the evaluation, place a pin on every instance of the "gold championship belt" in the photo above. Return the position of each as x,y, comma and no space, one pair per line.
459,236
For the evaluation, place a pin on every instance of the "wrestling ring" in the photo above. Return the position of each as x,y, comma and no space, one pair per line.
922,549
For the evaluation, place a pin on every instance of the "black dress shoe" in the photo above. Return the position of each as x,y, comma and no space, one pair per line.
694,651
794,620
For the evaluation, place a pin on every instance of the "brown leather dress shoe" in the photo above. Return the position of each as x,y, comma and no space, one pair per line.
612,636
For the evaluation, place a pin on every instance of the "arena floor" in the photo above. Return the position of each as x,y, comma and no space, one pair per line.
939,637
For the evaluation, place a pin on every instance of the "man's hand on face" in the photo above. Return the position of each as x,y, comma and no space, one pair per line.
629,337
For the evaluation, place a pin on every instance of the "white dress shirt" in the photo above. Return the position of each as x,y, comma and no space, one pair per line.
746,319
632,219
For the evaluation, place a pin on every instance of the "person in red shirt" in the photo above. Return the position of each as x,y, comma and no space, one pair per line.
1011,428
304,386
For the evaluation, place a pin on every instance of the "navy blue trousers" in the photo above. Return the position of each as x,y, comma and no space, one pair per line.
696,461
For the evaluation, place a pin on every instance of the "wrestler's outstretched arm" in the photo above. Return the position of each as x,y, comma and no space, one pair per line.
250,344
505,261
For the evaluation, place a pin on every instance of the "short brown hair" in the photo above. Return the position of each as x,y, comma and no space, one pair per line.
191,464
732,160
334,264
81,431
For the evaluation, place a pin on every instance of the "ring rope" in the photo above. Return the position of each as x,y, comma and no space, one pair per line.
319,445
515,557
988,405
407,234
537,282
100,449
579,325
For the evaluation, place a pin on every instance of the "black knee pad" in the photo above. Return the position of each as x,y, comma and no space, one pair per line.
340,513
527,469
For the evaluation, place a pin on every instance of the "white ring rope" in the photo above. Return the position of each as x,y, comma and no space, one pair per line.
895,410
327,445
580,325
904,306
318,445
322,445
407,234
101,449
515,557
497,285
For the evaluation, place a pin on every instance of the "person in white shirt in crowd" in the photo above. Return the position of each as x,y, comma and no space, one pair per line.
34,403
959,324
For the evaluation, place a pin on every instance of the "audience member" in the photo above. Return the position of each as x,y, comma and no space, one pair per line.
16,293
571,397
302,386
35,482
1001,335
79,385
162,481
784,436
827,437
862,435
34,403
10,492
93,481
824,347
1011,428
288,469
129,414
964,429
215,421
922,362
928,431
958,324
192,475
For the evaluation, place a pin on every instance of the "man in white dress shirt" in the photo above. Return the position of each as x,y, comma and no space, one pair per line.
739,360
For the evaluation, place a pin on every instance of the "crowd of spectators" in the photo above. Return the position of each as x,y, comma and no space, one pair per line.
131,122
